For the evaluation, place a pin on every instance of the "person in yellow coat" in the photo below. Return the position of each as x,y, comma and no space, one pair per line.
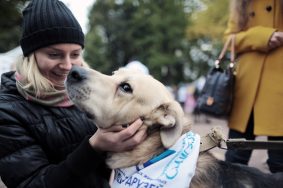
258,104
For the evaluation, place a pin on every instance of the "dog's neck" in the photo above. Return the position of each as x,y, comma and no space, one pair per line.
149,148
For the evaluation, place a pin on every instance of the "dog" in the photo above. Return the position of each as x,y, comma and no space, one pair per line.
125,96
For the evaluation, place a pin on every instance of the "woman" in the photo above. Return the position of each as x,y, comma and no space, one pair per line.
258,105
45,141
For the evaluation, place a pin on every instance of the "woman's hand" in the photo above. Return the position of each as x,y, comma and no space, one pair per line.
275,40
117,138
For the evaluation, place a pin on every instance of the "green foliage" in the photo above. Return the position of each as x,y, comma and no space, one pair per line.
150,31
10,22
208,22
176,39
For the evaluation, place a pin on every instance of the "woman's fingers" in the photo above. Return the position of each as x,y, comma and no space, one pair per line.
276,40
128,128
136,139
117,138
115,128
131,129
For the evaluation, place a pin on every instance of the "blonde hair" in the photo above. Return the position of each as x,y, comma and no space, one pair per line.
31,77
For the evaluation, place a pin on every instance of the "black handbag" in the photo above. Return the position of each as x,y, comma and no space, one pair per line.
216,97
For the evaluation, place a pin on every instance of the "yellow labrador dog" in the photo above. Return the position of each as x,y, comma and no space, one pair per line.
126,96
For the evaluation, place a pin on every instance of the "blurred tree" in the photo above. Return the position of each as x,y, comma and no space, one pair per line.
205,33
150,31
10,23
210,20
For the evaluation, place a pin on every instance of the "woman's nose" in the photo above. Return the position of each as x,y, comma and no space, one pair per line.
66,63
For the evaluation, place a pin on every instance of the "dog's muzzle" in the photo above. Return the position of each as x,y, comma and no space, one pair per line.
76,89
76,74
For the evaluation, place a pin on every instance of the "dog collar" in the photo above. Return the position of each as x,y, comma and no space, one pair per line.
173,168
211,140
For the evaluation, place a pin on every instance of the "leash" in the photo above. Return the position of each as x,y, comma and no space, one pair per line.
215,138
244,144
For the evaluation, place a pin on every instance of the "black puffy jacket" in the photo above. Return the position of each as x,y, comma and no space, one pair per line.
43,146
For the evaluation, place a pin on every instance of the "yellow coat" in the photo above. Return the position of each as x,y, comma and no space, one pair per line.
259,79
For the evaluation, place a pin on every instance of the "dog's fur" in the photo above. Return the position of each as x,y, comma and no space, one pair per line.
125,96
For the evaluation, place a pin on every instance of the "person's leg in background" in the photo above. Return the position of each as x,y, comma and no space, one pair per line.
275,157
241,156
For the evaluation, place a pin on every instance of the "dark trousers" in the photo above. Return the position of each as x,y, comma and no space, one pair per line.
275,157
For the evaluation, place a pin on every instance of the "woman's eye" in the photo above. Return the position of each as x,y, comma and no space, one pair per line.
53,55
75,55
126,87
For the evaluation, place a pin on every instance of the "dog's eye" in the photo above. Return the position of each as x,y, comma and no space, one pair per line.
126,87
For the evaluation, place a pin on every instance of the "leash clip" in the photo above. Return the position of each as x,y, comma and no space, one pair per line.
213,139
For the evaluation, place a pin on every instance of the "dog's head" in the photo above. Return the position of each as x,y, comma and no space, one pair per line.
124,97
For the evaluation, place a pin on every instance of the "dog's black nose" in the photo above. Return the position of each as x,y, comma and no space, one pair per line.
76,74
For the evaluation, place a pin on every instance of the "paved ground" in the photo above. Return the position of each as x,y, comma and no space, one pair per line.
202,127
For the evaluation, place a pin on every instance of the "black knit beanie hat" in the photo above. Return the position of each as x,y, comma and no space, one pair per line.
47,22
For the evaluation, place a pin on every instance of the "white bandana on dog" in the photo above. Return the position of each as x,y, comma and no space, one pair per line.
173,168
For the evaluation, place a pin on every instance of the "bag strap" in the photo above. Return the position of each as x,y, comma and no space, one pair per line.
230,41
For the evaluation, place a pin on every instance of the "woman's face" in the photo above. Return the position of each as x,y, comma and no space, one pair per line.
55,61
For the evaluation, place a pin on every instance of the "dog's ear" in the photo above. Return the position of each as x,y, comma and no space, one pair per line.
171,120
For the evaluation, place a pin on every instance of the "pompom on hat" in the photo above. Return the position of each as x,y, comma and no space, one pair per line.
47,22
